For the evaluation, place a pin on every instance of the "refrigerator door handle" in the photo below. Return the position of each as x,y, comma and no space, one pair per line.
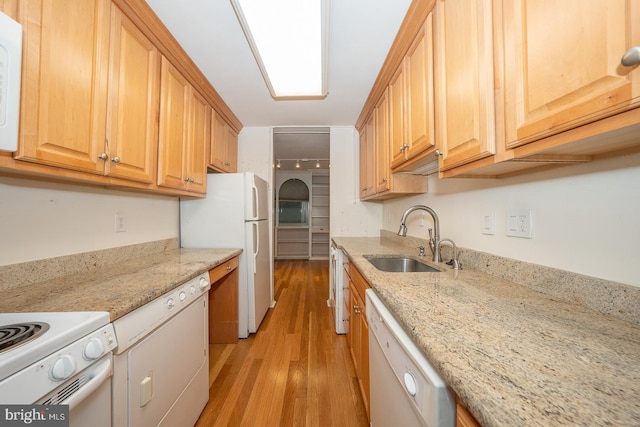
256,246
255,204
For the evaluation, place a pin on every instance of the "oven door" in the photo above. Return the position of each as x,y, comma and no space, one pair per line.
88,395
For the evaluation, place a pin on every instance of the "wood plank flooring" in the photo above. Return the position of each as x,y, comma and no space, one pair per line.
295,371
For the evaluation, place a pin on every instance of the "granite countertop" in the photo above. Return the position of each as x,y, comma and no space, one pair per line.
117,289
514,355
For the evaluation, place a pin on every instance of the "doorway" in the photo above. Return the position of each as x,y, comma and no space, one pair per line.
301,155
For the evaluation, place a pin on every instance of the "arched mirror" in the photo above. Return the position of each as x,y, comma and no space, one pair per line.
293,202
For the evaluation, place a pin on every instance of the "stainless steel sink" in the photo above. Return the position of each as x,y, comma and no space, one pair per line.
399,264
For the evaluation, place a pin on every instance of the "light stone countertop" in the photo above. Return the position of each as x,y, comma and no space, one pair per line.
514,355
117,289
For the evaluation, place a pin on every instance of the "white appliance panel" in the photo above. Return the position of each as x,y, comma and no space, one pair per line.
157,377
10,66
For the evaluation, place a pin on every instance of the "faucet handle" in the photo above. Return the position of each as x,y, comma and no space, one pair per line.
421,249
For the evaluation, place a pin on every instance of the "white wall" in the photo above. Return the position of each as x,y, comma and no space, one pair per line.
44,220
586,218
349,216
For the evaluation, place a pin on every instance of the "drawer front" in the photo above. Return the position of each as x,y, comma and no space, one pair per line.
222,270
358,281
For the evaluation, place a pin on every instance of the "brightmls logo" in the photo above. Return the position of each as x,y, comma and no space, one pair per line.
34,415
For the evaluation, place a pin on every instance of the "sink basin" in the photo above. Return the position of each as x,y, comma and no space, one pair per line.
399,264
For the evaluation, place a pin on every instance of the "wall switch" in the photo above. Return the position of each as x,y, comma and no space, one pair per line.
489,223
421,220
519,223
121,223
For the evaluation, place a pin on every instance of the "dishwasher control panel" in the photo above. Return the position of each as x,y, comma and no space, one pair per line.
134,326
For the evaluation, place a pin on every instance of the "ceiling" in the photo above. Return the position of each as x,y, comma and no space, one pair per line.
362,32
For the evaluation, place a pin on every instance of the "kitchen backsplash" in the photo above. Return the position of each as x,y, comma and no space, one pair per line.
46,269
612,298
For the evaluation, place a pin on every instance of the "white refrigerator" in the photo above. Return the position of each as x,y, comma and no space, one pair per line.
235,215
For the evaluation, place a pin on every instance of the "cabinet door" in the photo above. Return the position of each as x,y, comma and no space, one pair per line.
362,165
419,80
562,64
64,91
199,139
397,117
382,164
134,88
232,150
353,334
219,135
371,156
175,94
465,108
364,356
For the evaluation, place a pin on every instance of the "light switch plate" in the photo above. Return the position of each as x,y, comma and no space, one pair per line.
489,223
519,223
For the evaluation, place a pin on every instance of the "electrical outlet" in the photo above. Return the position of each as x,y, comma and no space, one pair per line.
519,223
489,223
421,220
120,223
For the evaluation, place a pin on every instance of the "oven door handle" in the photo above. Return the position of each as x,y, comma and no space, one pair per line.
100,372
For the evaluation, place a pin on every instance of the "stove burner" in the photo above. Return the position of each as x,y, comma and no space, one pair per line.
20,333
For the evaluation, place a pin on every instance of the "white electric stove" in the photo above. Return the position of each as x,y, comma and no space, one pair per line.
58,358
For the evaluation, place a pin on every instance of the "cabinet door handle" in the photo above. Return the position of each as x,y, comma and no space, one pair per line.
116,159
631,57
103,156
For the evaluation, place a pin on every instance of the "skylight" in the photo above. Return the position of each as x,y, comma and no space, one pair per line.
289,40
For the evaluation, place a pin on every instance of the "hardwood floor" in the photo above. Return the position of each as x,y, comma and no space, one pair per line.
295,371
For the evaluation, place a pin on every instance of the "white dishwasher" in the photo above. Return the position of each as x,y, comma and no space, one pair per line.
405,389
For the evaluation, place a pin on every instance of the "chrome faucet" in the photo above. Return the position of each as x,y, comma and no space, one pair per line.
434,238
454,261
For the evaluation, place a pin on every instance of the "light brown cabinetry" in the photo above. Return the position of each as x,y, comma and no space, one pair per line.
64,83
185,126
464,417
367,159
358,333
223,303
465,110
133,102
90,99
96,110
382,144
562,68
375,162
224,146
419,123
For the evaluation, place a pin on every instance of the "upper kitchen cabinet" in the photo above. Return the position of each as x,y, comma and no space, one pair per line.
367,159
64,82
224,146
417,117
382,184
465,109
185,133
90,99
134,90
563,64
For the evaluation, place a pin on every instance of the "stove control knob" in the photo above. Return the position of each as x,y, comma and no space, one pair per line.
93,349
63,368
170,303
183,296
203,283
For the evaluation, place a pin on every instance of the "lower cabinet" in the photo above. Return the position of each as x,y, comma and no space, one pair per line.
464,417
223,303
358,332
